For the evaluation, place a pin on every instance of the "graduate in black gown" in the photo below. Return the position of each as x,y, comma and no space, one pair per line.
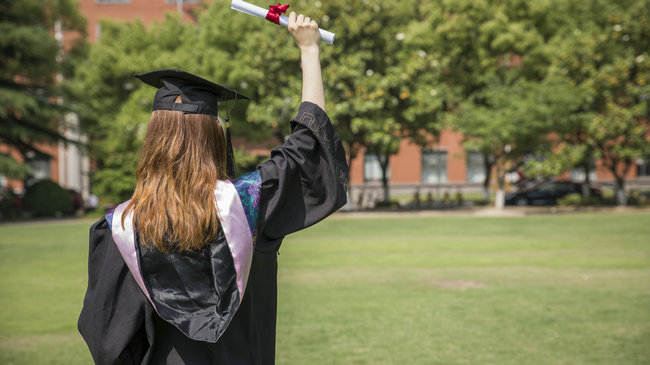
186,271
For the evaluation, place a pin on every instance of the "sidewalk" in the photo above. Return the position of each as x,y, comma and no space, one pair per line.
50,221
400,213
485,212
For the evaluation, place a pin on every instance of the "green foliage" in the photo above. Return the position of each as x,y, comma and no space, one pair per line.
246,161
379,85
577,199
494,58
522,72
565,82
28,66
11,168
46,198
8,208
603,51
117,107
639,198
371,74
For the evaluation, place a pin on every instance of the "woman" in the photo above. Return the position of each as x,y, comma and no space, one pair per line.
185,272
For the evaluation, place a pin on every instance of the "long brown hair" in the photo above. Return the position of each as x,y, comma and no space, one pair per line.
183,156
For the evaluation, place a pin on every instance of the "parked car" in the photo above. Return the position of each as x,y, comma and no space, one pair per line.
547,192
77,200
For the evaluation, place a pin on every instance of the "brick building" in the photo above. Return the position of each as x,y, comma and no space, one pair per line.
444,167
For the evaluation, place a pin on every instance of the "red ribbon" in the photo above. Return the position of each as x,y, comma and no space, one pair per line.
274,13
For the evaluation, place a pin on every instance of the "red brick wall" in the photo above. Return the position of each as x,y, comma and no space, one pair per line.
406,166
603,173
145,10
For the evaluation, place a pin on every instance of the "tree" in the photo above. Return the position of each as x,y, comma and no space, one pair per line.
493,59
370,74
116,106
395,96
31,58
603,51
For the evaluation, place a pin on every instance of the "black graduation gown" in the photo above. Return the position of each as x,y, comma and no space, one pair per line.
304,181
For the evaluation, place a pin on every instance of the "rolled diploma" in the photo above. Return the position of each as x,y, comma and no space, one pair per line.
244,7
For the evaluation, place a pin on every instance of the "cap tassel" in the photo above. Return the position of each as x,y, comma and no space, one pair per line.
230,156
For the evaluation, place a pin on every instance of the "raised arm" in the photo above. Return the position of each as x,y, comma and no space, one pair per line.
305,33
306,178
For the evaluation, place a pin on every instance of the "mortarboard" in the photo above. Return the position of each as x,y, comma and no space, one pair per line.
198,96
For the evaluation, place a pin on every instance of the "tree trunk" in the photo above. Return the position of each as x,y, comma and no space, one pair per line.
500,198
488,175
619,179
621,199
384,176
351,205
586,191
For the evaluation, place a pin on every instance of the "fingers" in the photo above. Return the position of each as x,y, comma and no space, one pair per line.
310,23
297,20
292,21
303,29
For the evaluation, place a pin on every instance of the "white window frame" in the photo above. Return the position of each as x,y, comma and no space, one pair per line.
372,168
642,168
436,159
475,167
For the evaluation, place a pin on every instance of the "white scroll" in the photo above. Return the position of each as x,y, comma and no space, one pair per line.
244,7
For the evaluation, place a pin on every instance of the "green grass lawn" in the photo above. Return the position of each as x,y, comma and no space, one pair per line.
544,289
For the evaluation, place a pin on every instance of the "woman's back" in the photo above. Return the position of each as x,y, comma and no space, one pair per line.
156,296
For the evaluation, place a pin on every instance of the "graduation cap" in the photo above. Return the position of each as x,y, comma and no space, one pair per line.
198,96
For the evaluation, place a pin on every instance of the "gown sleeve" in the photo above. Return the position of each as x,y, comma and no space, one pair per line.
116,320
305,179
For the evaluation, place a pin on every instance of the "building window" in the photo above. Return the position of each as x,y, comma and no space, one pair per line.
40,169
475,167
112,1
434,166
372,168
642,168
578,173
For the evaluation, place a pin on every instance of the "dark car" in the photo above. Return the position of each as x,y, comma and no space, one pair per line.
77,200
547,193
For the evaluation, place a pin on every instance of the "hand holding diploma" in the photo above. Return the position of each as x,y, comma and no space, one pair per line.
274,15
305,33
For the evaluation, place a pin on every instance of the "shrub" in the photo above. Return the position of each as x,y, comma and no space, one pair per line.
47,198
389,204
571,199
9,204
640,198
576,199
